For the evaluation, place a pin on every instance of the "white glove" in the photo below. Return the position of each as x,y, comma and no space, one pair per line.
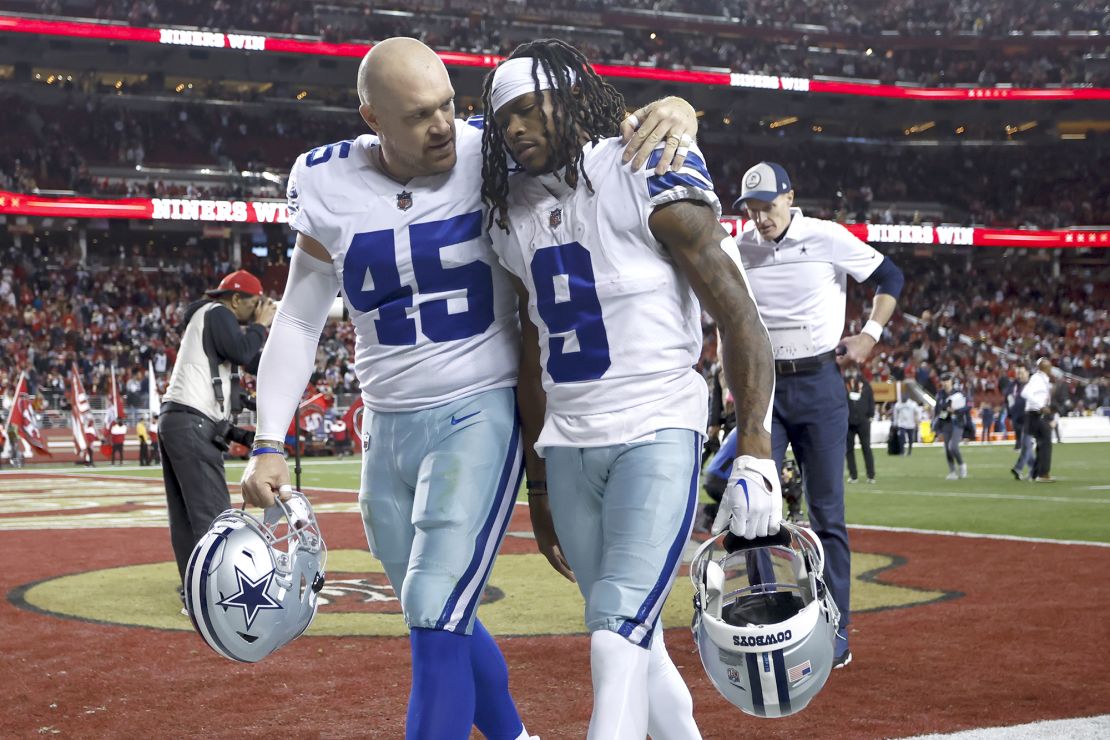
752,504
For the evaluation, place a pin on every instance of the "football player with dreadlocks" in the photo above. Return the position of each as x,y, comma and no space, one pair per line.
394,222
611,262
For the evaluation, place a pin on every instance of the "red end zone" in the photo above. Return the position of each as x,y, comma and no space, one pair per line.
1017,645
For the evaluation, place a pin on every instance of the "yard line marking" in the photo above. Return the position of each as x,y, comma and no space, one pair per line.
977,536
1097,726
1003,496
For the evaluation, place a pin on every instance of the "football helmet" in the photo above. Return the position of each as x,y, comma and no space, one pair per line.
764,621
251,585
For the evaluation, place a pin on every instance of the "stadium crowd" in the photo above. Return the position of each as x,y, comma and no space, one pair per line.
857,182
769,38
121,308
982,318
978,316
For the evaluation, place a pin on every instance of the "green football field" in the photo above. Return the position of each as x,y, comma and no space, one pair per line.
912,491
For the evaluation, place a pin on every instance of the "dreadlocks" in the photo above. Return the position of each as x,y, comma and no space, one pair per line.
596,112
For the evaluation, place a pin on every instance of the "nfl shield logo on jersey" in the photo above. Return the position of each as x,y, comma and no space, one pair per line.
555,217
404,200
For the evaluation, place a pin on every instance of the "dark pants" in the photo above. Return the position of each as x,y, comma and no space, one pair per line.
811,414
909,436
1039,428
144,452
1019,429
196,488
117,448
863,431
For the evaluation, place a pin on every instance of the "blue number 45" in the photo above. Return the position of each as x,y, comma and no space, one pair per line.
373,255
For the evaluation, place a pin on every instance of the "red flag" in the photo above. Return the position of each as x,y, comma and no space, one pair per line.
115,411
353,418
81,423
23,417
312,412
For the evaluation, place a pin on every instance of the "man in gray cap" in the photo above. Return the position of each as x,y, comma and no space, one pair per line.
798,269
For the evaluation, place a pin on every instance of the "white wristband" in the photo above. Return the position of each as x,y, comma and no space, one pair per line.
873,329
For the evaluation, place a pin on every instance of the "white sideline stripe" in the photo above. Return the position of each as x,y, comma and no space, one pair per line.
996,496
1059,729
978,536
874,527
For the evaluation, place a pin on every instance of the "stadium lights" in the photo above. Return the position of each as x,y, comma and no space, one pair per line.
1011,130
302,95
783,122
960,130
1073,137
917,128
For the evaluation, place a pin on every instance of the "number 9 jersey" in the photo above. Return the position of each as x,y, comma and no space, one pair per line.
619,324
435,314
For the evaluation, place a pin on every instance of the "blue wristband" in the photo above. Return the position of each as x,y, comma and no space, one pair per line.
267,451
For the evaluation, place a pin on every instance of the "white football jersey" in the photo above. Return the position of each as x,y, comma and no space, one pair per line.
435,314
619,325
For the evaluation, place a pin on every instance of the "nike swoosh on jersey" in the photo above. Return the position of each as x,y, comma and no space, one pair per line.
461,419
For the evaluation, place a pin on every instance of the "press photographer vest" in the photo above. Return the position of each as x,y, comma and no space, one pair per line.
191,383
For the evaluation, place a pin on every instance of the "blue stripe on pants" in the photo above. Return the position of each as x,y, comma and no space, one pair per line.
670,566
499,514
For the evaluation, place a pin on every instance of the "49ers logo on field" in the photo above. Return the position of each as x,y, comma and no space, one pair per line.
371,593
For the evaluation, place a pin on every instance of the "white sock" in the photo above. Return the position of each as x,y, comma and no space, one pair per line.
620,676
670,706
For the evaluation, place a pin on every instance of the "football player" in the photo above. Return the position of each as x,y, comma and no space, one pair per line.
395,223
611,263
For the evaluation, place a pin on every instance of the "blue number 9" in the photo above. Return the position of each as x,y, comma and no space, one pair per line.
574,308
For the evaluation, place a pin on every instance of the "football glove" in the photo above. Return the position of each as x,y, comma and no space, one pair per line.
752,504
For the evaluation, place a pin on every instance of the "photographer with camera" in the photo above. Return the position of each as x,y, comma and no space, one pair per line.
202,401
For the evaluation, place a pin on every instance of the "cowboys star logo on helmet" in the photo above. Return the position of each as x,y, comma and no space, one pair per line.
764,621
251,596
251,586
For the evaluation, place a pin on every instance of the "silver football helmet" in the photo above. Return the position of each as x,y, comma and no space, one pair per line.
251,585
764,621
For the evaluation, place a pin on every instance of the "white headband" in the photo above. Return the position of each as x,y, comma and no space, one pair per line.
513,78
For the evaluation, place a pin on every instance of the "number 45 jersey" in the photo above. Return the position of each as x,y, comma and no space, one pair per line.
619,325
435,314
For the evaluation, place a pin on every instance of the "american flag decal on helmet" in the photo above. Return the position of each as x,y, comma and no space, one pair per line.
799,672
